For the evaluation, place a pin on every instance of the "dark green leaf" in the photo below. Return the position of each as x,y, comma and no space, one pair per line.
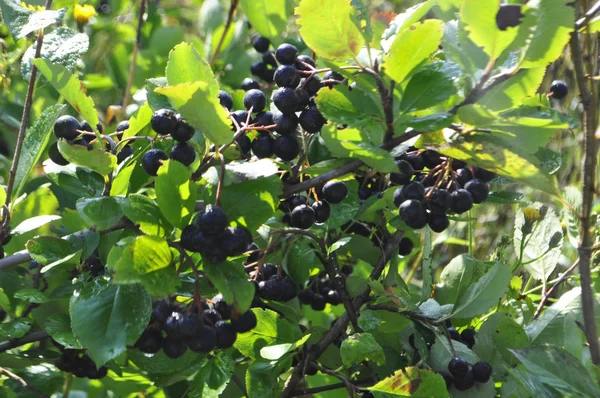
262,378
59,327
232,281
428,87
213,377
299,261
412,382
504,197
47,249
145,212
360,347
271,329
31,295
94,159
15,328
102,212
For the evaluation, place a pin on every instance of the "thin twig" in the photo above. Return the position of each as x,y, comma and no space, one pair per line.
136,47
29,338
588,16
221,178
349,385
550,291
330,387
230,14
239,383
387,102
22,382
25,118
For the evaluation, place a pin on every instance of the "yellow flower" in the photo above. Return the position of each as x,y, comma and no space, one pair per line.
83,13
32,7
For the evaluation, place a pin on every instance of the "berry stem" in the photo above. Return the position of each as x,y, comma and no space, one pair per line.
221,178
230,14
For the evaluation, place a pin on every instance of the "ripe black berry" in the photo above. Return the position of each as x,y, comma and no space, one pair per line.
183,153
122,126
286,124
303,217
465,382
259,69
478,189
331,75
415,159
454,335
322,211
152,160
287,76
150,342
204,341
462,201
333,297
463,176
225,99
335,191
509,15
458,367
482,371
431,158
189,324
286,54
468,337
306,296
261,44
303,99
559,89
264,119
255,99
244,323
304,59
286,147
318,302
312,120
438,222
312,85
405,247
184,132
213,220
405,173
164,121
262,146
483,175
448,379
211,316
277,289
191,238
221,306
413,190
174,347
269,58
286,100
226,335
439,201
66,127
235,240
413,214
56,156
161,311
241,118
123,154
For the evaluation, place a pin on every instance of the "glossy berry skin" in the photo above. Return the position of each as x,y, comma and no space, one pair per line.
303,217
221,307
235,240
287,76
415,159
183,153
465,382
333,297
191,238
448,379
286,124
269,58
225,99
439,201
264,119
66,127
152,160
413,190
56,156
204,341
150,342
164,121
161,311
213,220
438,222
431,158
244,323
277,289
122,126
211,316
286,54
405,247
458,367
286,100
312,85
286,147
482,371
183,132
463,176
322,211
189,325
255,99
335,191
240,117
468,337
318,302
332,75
244,143
404,174
261,44
462,201
312,120
174,348
304,59
413,214
259,69
483,175
303,99
262,146
478,189
559,89
226,335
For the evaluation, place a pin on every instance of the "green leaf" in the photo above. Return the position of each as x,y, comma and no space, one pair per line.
412,382
433,122
14,16
356,285
106,318
139,257
252,202
300,260
566,301
559,369
511,92
404,20
504,198
232,281
552,24
15,328
369,320
360,347
31,295
573,196
342,106
94,159
48,249
34,144
412,47
428,87
175,193
271,329
456,278
442,352
144,212
262,378
186,65
139,121
59,327
268,17
69,86
213,377
479,18
2,196
63,46
103,212
485,293
213,121
329,28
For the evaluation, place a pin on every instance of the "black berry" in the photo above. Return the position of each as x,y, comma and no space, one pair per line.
264,119
152,160
468,337
183,153
213,220
189,325
482,371
66,127
483,175
235,240
244,323
225,99
250,84
335,191
303,217
304,59
448,379
312,120
184,132
262,146
462,201
322,211
150,342
508,16
286,54
405,247
465,382
413,214
221,306
204,341
405,173
286,100
478,189
286,147
56,156
261,44
439,201
255,99
559,89
463,176
286,124
164,121
226,335
174,347
458,367
287,76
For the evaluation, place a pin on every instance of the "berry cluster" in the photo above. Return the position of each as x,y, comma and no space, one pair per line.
271,283
80,364
201,328
166,122
70,129
212,236
320,290
301,214
463,376
434,185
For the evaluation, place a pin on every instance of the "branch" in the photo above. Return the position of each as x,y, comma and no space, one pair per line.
314,390
232,8
588,15
25,118
136,47
587,228
22,382
387,101
30,338
549,293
